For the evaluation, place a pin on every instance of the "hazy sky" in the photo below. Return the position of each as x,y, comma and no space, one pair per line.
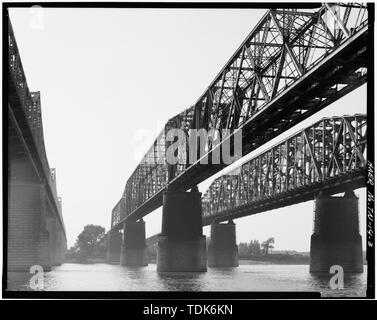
109,80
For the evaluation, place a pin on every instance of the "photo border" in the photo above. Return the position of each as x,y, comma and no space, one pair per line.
140,295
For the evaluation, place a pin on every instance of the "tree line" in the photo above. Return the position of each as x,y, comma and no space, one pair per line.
254,248
91,244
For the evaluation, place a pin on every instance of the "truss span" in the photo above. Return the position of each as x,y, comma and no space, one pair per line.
328,156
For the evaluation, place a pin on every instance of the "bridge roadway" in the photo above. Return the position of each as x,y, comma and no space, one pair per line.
293,64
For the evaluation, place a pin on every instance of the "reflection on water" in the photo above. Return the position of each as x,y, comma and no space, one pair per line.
178,281
353,284
107,277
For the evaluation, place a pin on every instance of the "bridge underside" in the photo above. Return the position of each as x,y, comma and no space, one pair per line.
35,235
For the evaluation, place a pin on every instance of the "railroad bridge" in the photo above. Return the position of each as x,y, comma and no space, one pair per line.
294,63
36,232
327,158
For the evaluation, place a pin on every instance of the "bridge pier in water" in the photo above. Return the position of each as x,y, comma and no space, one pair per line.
336,239
182,245
114,244
35,237
134,250
28,236
222,248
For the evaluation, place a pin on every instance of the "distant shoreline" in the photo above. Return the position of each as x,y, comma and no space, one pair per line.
252,262
278,259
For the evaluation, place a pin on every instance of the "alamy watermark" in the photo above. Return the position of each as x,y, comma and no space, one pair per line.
37,17
36,282
179,146
186,147
197,144
337,280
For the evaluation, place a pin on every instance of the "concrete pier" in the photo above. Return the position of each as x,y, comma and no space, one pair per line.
134,250
181,244
35,234
114,244
222,247
28,237
336,239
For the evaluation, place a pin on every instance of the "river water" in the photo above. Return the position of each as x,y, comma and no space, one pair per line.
246,277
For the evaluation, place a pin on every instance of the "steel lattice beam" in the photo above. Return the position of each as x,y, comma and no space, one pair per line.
330,151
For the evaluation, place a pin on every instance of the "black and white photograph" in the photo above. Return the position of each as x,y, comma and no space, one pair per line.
172,150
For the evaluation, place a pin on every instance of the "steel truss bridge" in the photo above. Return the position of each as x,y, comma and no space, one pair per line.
25,130
328,156
292,64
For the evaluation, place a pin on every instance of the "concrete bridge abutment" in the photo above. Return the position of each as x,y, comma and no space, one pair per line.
336,239
181,244
134,250
222,247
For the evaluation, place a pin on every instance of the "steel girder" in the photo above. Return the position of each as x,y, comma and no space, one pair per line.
291,65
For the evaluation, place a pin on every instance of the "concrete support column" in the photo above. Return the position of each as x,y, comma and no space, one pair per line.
222,248
181,245
336,239
134,250
28,237
114,244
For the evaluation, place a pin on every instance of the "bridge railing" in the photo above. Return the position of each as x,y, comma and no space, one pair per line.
285,45
329,148
31,104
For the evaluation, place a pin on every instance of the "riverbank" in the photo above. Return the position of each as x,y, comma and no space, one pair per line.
89,261
255,262
297,259
279,259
